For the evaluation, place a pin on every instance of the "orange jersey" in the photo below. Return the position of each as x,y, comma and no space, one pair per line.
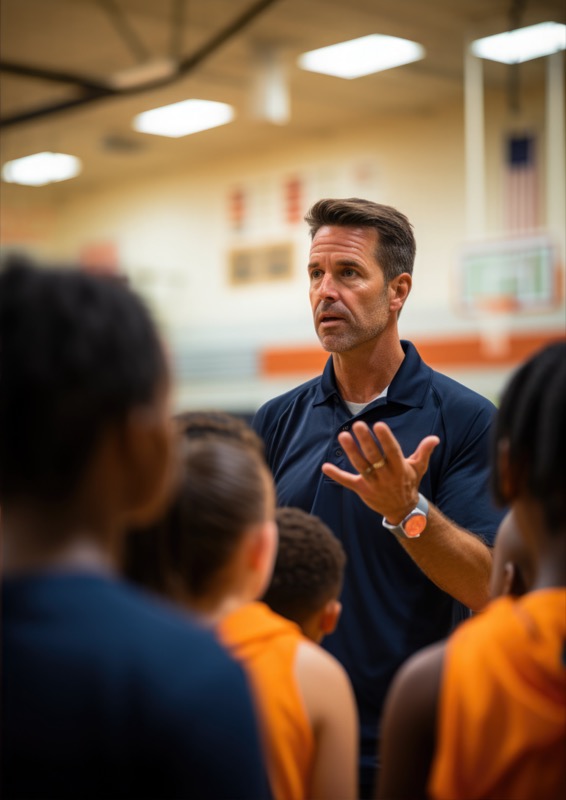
266,645
501,729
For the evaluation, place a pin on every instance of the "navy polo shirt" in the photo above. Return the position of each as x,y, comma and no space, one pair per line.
390,608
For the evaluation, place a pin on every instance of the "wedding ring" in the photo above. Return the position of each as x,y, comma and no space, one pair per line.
372,467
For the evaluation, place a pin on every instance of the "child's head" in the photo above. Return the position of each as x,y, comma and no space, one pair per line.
226,498
308,574
528,437
83,379
512,570
218,538
145,560
529,469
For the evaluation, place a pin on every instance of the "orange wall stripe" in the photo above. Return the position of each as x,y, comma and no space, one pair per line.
464,352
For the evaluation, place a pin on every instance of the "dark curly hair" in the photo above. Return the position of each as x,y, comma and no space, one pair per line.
309,568
77,352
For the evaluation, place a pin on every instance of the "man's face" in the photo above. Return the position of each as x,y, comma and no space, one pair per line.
348,294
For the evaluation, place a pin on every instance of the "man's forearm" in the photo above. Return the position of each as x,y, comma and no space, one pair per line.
457,561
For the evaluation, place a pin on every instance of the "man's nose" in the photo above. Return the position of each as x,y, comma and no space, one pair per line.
327,287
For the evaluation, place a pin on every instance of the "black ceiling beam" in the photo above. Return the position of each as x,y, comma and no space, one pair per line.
57,76
98,91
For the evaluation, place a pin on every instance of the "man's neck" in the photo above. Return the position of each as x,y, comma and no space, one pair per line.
362,374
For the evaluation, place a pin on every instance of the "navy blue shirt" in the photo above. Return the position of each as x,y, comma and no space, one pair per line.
107,694
390,608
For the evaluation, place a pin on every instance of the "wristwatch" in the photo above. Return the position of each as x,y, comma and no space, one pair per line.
414,523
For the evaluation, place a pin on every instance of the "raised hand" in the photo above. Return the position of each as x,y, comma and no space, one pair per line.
386,481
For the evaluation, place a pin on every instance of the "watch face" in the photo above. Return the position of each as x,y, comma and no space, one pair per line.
414,526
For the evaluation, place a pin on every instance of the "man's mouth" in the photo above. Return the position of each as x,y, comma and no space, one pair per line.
329,319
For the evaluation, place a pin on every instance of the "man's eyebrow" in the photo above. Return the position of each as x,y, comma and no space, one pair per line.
341,262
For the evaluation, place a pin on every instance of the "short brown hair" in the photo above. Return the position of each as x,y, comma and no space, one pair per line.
396,245
309,568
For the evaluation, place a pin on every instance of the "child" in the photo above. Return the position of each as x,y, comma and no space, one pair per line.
105,694
221,538
484,715
308,574
144,558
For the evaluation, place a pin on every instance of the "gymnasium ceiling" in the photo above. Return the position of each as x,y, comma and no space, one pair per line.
58,59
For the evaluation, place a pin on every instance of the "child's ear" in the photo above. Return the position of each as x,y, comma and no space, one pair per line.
146,448
330,616
508,578
262,553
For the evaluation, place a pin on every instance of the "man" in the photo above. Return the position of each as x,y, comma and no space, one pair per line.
104,693
355,445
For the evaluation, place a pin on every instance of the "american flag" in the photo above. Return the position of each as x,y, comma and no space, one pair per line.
521,189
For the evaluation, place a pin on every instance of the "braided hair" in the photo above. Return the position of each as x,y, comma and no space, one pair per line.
532,422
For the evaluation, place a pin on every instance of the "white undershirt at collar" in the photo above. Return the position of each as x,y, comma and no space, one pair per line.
357,408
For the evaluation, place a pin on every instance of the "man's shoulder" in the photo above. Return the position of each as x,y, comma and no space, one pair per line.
451,392
274,407
302,390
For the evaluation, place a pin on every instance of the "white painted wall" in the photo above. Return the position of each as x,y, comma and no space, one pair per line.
173,236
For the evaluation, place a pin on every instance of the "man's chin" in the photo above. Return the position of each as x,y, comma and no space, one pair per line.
334,344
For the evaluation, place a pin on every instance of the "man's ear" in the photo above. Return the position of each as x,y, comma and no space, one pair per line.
329,616
399,288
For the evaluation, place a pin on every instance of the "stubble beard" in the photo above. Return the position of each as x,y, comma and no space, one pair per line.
357,334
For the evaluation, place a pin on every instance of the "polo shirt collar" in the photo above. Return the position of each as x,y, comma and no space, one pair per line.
408,387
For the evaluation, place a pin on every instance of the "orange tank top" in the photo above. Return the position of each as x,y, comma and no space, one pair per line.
501,728
266,645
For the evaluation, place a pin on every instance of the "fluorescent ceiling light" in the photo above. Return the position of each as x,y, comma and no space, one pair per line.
181,119
362,56
41,168
522,44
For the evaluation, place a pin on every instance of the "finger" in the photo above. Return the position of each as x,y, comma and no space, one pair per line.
346,479
389,445
356,457
367,444
421,457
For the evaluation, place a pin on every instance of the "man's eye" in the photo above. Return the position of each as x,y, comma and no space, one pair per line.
315,273
349,272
